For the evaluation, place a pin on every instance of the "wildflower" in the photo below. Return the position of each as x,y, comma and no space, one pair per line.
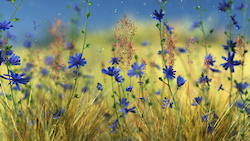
114,60
124,104
158,92
5,25
215,115
111,71
27,44
158,16
85,89
169,72
114,126
240,87
209,60
204,118
14,60
166,103
195,25
230,47
165,51
181,50
145,43
230,63
129,88
76,61
15,79
241,7
28,66
118,78
99,86
44,72
220,88
48,60
197,101
58,114
224,6
204,79
180,81
66,86
10,36
77,9
26,94
168,28
39,86
136,70
214,70
235,22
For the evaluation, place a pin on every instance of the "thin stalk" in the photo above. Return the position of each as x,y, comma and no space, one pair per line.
16,10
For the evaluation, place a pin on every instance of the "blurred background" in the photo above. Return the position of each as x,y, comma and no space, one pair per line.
179,13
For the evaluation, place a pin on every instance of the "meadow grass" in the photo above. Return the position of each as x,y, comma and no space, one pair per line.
90,115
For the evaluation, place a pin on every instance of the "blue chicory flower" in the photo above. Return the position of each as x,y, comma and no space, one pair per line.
169,72
76,61
136,70
240,87
224,6
230,47
99,86
16,79
230,62
5,25
111,71
114,126
197,101
59,113
180,81
158,92
129,88
159,16
114,60
168,28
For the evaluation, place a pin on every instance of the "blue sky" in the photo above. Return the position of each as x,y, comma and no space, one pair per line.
106,12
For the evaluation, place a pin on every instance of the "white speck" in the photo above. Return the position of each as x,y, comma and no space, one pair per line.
121,1
35,40
59,14
98,4
144,3
199,7
115,10
213,6
137,12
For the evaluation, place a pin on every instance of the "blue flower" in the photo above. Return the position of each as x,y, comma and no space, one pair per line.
66,86
180,81
114,60
165,51
124,104
241,7
145,43
5,25
158,16
44,72
26,94
77,9
209,60
197,101
85,89
99,86
231,47
235,22
220,88
240,87
166,103
169,72
181,50
111,71
204,79
168,28
3,55
27,44
214,70
15,79
114,126
204,118
58,113
230,63
10,36
28,66
14,60
129,88
195,25
158,92
118,78
48,60
76,61
136,70
224,6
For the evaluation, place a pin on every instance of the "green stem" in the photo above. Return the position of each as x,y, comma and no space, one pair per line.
202,28
16,11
